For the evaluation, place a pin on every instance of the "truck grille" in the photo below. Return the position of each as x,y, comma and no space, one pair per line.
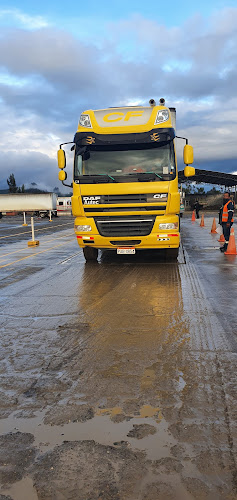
125,209
127,226
123,198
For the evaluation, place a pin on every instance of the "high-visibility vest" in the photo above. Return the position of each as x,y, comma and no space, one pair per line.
225,212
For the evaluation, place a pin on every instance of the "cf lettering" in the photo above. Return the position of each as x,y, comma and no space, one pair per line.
132,114
108,118
116,117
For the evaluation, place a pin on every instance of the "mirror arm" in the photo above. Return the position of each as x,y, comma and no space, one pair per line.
184,138
63,144
68,185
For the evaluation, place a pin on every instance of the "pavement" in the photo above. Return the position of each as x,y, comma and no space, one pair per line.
117,378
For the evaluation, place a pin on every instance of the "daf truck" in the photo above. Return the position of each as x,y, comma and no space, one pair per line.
125,180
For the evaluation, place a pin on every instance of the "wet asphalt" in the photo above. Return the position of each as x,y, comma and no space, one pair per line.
117,378
12,229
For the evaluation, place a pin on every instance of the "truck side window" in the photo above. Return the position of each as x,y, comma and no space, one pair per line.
78,165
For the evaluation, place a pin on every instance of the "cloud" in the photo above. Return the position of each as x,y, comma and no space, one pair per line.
32,167
135,55
48,76
29,146
11,16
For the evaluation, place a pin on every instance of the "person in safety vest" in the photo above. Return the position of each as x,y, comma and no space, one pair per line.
227,219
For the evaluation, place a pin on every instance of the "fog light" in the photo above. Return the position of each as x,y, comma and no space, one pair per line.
81,229
169,225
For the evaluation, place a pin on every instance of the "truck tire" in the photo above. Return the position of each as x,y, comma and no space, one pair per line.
172,254
90,253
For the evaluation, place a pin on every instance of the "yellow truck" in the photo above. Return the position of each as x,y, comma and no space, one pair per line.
125,182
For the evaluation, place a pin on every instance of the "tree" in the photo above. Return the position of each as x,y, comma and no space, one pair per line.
12,184
22,189
190,188
187,189
213,190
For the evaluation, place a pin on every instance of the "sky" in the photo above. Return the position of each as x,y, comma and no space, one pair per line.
59,59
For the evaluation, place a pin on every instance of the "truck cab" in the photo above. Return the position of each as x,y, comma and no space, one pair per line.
125,182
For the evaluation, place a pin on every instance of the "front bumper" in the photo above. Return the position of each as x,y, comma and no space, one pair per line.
156,239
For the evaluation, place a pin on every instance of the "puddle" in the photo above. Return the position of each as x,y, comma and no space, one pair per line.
18,275
22,490
144,412
181,382
117,410
101,429
149,411
210,248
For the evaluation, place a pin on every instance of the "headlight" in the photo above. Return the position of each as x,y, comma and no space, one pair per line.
81,229
85,121
162,116
169,225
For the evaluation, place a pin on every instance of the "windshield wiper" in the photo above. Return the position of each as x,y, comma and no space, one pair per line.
157,175
110,176
99,175
106,175
143,174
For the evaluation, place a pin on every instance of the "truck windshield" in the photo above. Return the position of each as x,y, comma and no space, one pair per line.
158,161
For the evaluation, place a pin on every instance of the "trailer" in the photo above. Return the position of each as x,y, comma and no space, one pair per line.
42,203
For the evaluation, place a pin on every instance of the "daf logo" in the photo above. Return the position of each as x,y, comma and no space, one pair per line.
155,137
91,200
160,196
90,139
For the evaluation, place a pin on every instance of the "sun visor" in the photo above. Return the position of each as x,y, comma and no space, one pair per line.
156,136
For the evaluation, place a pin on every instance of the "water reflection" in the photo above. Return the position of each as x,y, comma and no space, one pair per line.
135,315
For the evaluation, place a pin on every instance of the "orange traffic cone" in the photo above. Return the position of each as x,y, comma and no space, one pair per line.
222,239
213,228
193,216
202,221
231,249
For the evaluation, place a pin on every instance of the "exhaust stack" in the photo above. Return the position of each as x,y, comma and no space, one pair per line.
152,103
162,101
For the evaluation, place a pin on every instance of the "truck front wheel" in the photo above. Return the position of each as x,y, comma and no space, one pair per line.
90,253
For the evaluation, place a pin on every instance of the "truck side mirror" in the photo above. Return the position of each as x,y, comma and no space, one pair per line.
62,175
189,171
188,154
61,158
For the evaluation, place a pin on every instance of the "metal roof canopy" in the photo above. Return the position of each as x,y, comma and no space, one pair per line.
210,177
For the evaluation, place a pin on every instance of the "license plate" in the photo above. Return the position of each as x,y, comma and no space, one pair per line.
125,250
